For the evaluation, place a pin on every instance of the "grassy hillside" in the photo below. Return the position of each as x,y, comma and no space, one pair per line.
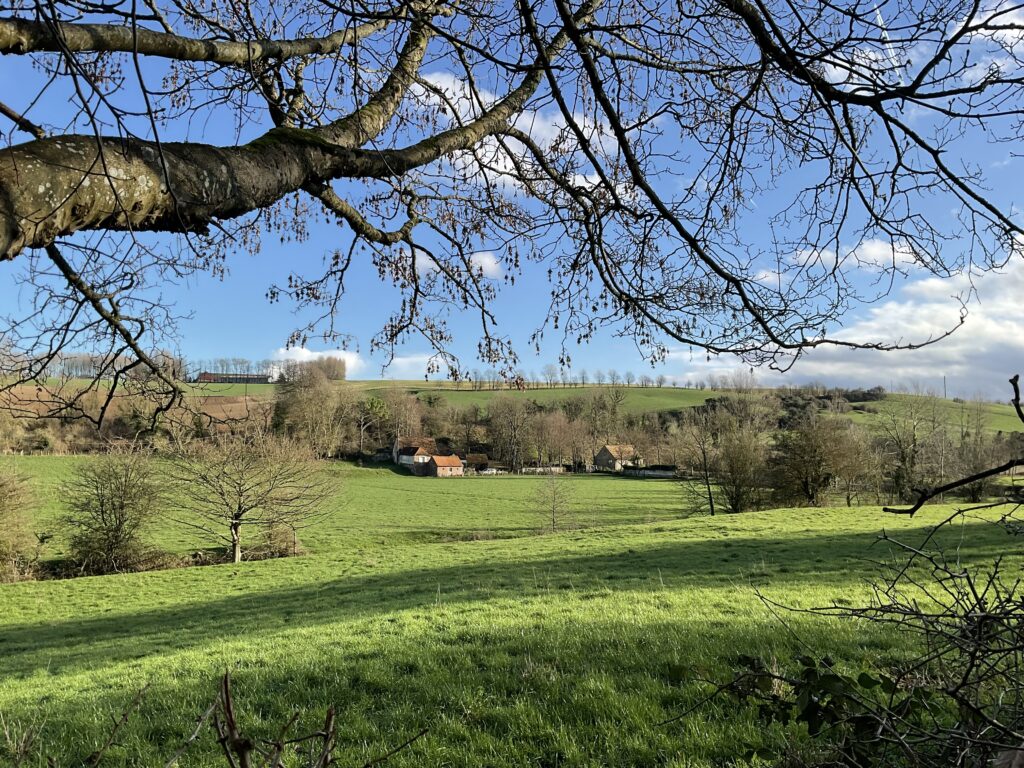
997,417
544,649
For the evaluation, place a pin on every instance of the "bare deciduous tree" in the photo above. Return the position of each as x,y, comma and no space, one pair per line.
627,159
698,436
228,485
554,498
510,420
855,463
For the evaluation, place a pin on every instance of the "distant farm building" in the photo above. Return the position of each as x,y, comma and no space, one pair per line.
615,458
477,461
445,466
232,378
400,449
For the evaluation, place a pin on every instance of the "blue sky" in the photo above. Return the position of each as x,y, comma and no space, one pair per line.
231,317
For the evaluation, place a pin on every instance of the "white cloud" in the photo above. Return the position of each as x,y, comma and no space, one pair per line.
823,257
411,366
979,357
546,127
865,69
487,263
871,255
354,364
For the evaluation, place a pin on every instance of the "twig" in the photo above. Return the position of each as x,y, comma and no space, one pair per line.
195,734
96,756
395,751
928,494
21,121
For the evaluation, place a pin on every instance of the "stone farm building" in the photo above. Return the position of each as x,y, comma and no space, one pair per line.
445,466
615,458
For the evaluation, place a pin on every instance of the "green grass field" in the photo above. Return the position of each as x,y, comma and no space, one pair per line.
441,604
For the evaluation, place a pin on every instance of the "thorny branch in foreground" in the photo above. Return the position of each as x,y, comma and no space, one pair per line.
239,749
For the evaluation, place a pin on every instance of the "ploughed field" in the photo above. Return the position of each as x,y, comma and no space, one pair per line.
442,604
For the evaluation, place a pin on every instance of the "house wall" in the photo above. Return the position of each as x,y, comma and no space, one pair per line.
448,471
605,460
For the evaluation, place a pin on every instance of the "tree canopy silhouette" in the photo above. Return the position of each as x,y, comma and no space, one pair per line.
727,175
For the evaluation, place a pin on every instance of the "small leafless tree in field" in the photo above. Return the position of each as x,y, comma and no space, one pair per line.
554,497
698,438
231,486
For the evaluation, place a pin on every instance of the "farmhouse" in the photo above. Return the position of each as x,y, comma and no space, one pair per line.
445,466
414,458
615,458
402,444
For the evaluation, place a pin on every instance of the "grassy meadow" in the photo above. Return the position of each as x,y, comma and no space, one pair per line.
443,604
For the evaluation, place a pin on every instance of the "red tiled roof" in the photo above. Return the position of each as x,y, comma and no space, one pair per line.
447,461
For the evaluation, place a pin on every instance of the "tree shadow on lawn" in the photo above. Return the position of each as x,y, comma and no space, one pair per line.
546,692
820,561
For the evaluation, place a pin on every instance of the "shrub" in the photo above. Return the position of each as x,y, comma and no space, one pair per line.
112,500
17,560
275,540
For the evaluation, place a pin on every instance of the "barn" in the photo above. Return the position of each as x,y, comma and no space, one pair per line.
445,466
477,461
415,459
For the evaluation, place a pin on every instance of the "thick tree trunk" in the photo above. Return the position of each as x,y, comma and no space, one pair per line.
56,186
236,542
24,35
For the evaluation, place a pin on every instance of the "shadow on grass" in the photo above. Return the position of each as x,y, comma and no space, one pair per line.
819,560
543,692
